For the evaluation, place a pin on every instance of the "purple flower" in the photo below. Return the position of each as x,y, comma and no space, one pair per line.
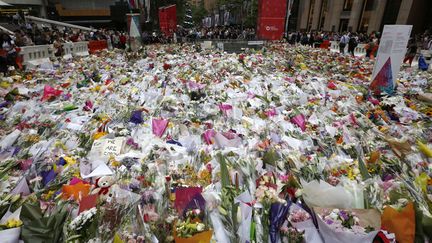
48,176
4,104
136,117
343,215
329,221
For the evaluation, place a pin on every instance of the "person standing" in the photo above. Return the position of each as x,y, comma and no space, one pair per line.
352,44
411,52
342,43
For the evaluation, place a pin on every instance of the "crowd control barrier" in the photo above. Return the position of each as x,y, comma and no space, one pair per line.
33,56
68,50
80,48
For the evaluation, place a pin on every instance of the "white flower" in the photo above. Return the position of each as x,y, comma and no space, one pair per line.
336,210
200,227
298,193
333,215
82,219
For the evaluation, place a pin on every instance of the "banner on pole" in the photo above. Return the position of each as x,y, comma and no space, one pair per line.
133,21
391,51
168,20
271,19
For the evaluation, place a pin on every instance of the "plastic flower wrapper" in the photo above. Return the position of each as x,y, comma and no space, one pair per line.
83,228
302,221
322,194
193,228
114,209
50,93
402,222
10,225
228,208
184,195
41,226
159,126
133,229
229,139
339,225
278,215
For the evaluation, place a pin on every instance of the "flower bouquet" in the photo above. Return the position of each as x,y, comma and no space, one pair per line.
39,226
192,229
357,225
302,221
10,226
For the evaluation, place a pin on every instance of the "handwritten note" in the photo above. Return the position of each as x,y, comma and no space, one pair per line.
107,147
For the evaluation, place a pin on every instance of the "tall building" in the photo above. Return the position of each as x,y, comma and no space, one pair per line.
360,15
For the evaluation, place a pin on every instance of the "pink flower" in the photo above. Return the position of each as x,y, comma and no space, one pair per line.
208,136
225,108
284,178
300,121
250,94
271,112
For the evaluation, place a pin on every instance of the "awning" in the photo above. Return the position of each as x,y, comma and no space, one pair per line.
4,4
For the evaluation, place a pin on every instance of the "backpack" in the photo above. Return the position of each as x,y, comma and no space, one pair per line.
353,41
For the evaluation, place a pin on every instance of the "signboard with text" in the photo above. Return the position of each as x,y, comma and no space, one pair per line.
391,51
271,19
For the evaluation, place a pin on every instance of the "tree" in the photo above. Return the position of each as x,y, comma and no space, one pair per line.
188,19
252,15
199,13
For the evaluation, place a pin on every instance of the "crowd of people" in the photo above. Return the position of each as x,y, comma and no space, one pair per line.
31,34
322,39
219,33
28,34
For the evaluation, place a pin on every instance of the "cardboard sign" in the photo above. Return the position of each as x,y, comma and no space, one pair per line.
107,147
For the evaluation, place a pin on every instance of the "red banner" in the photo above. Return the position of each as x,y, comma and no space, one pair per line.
168,20
271,19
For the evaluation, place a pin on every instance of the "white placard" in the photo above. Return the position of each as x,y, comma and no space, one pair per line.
393,44
107,147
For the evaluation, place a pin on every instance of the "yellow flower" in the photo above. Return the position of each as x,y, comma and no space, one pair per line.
424,149
59,144
69,160
77,174
98,135
13,223
4,84
48,195
350,173
114,162
170,125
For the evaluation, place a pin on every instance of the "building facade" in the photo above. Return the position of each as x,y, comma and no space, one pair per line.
359,15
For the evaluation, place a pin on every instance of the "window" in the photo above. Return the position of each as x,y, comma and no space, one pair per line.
343,25
348,5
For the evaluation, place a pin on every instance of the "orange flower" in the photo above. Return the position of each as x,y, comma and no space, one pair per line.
77,191
374,156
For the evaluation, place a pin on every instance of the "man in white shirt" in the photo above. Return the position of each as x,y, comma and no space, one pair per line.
343,42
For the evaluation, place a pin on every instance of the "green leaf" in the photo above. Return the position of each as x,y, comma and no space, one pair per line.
363,170
224,171
270,157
